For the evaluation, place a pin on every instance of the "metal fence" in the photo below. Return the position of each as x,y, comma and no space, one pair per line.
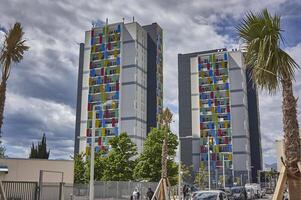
17,190
105,190
108,190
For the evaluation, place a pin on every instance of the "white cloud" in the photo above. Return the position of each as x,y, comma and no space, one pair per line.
55,119
43,86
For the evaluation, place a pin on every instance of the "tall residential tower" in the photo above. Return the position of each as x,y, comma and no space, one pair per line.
214,115
120,71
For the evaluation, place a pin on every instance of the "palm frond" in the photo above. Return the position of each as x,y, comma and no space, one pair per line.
13,49
261,34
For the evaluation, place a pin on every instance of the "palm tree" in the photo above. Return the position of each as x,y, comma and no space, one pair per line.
164,119
271,68
12,52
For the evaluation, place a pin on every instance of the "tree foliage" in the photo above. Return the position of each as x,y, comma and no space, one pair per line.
12,52
100,165
272,67
186,173
201,177
40,150
119,164
80,169
2,150
269,64
149,162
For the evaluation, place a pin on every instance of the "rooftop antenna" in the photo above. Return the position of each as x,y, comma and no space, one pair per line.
123,19
133,19
107,21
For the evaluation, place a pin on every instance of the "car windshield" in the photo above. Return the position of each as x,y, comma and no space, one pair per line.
236,190
206,196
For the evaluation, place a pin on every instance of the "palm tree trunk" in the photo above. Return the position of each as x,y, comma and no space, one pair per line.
292,149
164,156
2,101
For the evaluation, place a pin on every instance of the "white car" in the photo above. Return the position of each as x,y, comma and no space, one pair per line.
256,189
210,195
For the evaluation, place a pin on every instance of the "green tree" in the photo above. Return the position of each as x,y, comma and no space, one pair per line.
201,177
99,166
149,162
120,163
2,150
40,151
237,181
271,68
80,168
12,52
186,173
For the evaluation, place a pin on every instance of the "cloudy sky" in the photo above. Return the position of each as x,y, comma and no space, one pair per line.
41,95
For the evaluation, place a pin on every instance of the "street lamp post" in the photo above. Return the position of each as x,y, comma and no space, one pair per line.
209,167
179,188
180,171
92,158
224,175
91,187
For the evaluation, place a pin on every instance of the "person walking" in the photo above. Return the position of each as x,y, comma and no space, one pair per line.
185,191
149,194
136,195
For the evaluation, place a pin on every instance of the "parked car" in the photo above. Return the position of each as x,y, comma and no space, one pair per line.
256,189
239,193
210,195
228,192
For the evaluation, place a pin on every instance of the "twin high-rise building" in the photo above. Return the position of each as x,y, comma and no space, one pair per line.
218,116
121,80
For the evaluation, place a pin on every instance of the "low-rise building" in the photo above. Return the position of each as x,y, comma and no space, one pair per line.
280,152
20,169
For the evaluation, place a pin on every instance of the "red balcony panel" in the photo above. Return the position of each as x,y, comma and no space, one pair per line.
113,122
90,107
228,109
215,102
216,72
88,132
219,132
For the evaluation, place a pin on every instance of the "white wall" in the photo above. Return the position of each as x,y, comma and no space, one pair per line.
195,99
29,170
134,83
85,90
239,112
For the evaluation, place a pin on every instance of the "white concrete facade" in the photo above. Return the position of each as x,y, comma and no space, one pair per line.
132,84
